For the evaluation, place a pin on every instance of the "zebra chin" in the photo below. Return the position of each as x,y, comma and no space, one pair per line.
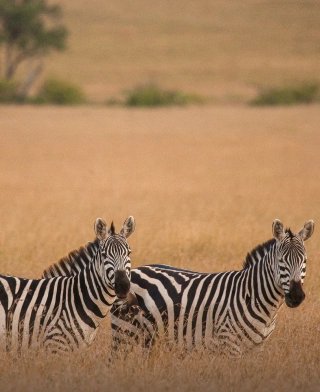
296,295
122,284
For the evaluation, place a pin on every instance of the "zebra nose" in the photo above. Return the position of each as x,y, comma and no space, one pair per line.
296,294
121,284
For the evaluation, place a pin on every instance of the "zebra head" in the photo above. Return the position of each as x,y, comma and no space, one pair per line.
115,255
291,260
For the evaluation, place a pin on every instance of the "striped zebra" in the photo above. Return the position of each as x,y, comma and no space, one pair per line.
63,313
230,312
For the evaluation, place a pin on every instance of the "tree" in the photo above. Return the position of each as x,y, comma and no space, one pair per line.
29,30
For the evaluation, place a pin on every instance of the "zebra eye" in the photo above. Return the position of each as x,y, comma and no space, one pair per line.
103,254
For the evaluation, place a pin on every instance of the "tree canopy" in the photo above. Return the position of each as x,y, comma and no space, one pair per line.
29,29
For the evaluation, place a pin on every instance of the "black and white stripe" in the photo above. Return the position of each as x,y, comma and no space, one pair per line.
228,311
75,262
63,313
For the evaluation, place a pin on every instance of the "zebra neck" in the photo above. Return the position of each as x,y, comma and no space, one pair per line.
92,295
265,292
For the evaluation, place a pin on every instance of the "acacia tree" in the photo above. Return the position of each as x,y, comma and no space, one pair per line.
29,30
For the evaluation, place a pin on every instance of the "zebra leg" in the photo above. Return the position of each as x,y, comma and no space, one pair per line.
63,337
126,321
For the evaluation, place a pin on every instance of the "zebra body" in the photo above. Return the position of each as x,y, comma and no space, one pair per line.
63,313
227,311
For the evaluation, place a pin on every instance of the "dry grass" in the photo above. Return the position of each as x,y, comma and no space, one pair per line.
204,185
219,48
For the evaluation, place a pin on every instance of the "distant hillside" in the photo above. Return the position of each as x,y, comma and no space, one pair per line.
221,48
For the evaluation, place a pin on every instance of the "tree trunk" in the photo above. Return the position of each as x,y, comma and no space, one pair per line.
32,76
9,64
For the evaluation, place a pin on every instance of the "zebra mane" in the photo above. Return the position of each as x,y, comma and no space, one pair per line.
75,262
258,253
112,229
289,232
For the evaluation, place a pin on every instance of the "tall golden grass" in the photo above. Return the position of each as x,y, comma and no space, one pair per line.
204,185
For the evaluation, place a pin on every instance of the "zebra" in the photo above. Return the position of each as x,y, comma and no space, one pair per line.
230,312
63,314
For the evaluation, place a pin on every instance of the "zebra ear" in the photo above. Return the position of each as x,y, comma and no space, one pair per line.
128,227
306,232
100,228
278,230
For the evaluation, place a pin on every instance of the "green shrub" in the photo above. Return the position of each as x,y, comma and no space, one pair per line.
8,91
60,93
154,96
303,93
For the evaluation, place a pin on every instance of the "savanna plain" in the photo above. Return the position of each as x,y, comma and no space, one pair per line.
204,185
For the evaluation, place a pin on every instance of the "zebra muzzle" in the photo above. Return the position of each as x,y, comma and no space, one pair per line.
296,295
122,284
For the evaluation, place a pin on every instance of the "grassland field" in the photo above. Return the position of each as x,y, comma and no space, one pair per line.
224,50
204,185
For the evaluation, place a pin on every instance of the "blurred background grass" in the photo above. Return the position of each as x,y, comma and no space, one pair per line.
224,50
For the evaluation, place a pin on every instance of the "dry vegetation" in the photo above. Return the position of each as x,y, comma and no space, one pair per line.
204,185
222,49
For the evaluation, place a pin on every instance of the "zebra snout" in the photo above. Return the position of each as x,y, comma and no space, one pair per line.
296,295
122,284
